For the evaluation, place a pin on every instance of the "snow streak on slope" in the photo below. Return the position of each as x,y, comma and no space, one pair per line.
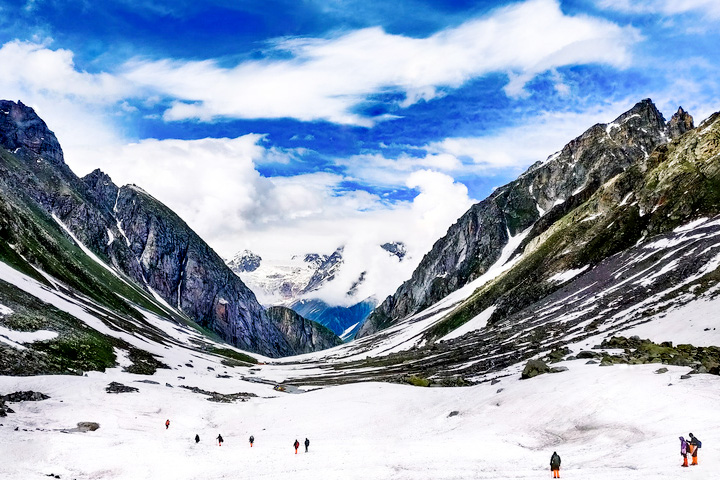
101,320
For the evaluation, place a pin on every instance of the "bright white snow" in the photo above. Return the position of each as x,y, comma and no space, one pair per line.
605,422
568,275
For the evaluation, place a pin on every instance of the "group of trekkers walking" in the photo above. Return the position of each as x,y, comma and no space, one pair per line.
691,446
220,439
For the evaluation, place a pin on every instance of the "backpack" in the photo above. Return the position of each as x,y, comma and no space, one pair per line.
699,443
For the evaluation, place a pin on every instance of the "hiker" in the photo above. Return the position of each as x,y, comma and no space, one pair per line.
307,444
694,445
555,465
252,439
220,440
296,445
684,451
167,424
197,438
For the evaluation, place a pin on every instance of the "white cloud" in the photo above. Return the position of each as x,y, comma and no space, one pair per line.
710,8
326,78
214,186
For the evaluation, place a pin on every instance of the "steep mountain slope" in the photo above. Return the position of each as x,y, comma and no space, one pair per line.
542,195
304,335
119,247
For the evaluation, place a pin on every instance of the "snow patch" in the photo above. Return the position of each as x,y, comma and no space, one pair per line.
563,277
111,237
16,338
476,323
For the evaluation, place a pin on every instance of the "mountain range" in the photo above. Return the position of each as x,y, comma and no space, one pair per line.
113,248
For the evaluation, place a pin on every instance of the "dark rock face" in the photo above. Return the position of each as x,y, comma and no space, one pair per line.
395,248
536,199
23,132
680,123
304,335
190,276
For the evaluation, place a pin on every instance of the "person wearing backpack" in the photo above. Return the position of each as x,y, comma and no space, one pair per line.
555,465
307,444
683,451
252,440
694,445
296,445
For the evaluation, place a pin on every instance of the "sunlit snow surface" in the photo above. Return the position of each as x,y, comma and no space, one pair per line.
605,422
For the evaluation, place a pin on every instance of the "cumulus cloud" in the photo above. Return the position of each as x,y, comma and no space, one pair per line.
327,78
710,8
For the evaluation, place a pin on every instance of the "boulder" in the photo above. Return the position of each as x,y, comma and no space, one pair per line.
533,368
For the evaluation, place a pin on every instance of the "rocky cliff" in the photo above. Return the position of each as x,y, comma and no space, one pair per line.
528,206
304,335
125,228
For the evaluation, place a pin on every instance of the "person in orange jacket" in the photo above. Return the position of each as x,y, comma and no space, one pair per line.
694,445
167,424
296,445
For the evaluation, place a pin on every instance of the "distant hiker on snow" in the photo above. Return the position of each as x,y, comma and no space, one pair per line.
296,445
694,445
167,424
683,451
307,444
220,440
252,439
197,438
555,465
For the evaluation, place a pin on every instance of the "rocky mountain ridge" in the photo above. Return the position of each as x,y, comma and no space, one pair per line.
528,206
141,246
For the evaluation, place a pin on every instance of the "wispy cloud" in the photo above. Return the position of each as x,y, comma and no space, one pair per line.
326,78
664,7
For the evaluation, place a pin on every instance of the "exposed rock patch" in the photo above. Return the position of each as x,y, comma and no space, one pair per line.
115,387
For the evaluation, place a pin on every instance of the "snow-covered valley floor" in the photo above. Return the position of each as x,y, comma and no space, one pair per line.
605,422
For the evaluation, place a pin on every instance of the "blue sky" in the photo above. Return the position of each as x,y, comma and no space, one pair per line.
343,122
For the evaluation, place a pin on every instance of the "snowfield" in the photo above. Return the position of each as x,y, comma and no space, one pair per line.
605,422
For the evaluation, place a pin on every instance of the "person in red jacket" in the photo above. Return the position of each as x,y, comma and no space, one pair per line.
167,424
296,445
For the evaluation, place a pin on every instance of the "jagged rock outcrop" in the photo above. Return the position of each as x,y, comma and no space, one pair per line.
23,132
397,249
542,195
304,335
